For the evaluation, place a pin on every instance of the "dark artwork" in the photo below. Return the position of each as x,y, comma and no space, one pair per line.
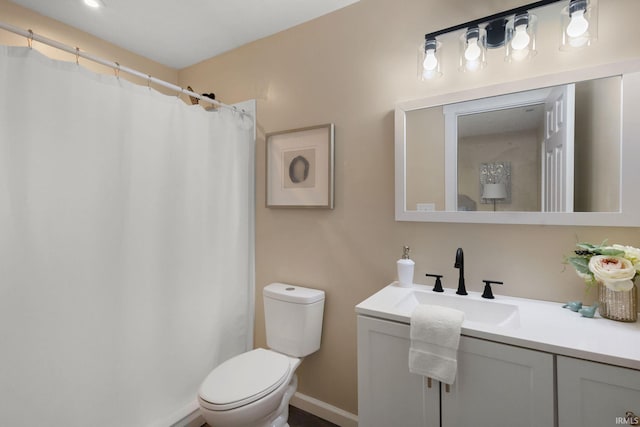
299,169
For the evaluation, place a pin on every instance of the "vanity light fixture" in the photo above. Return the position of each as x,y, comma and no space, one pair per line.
579,24
521,37
429,63
515,29
473,46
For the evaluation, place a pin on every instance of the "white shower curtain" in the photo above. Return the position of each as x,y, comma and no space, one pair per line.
126,246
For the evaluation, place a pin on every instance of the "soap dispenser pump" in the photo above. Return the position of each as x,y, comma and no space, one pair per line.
405,268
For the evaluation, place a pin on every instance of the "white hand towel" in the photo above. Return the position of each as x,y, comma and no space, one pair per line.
435,336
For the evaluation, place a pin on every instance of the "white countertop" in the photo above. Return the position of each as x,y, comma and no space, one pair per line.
543,326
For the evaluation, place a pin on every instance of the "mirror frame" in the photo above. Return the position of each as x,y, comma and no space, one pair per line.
629,214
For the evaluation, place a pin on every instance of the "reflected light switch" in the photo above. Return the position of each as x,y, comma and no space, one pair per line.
426,207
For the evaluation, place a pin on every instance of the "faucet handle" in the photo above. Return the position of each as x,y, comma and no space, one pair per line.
438,285
487,288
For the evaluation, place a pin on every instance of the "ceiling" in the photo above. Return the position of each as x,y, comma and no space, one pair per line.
180,33
517,119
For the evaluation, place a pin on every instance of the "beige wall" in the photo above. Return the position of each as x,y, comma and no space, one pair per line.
351,68
597,146
27,19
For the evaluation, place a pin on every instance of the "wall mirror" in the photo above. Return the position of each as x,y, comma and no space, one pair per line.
562,150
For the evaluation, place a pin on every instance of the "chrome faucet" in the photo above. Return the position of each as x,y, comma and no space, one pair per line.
460,264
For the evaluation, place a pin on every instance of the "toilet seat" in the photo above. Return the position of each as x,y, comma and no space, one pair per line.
244,379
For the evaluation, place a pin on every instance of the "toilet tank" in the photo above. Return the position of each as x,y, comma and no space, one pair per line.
293,318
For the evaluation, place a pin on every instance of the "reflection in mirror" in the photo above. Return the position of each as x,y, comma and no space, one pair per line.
548,150
425,159
486,158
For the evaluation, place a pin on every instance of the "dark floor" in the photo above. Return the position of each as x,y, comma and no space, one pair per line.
300,418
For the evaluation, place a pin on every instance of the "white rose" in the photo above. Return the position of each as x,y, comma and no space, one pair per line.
615,272
630,253
583,276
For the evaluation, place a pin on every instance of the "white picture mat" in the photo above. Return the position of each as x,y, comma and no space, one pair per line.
316,138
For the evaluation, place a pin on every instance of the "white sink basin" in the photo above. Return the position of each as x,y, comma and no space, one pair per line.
476,310
540,325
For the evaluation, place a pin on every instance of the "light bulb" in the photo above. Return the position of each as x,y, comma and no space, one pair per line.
473,51
93,3
578,25
472,65
520,39
519,55
578,41
430,61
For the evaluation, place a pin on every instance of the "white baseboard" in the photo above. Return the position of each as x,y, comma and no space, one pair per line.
194,419
324,410
301,401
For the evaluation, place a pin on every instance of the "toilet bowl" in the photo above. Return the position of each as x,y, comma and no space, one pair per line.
249,390
254,388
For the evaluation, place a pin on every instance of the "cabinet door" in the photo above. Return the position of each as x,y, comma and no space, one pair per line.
499,385
388,394
594,395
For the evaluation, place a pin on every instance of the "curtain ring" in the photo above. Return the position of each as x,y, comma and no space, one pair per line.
116,70
77,55
30,39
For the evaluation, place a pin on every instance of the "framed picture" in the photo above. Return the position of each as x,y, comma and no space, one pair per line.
300,168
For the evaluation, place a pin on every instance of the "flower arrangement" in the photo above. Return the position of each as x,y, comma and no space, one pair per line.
616,266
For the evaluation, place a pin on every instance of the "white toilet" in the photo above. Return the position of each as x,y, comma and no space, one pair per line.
254,388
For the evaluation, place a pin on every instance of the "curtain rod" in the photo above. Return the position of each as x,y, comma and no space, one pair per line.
31,36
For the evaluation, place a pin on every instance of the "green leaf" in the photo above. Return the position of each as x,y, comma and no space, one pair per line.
611,252
580,264
586,246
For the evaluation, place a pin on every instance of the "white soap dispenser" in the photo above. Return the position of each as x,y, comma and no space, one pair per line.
405,268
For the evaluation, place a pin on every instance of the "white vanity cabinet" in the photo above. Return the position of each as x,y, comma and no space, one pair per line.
388,394
594,394
521,363
497,385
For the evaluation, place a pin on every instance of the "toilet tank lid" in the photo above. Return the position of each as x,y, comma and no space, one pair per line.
293,293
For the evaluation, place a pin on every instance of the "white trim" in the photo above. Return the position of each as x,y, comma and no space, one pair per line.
193,419
629,215
324,410
187,416
401,162
451,155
